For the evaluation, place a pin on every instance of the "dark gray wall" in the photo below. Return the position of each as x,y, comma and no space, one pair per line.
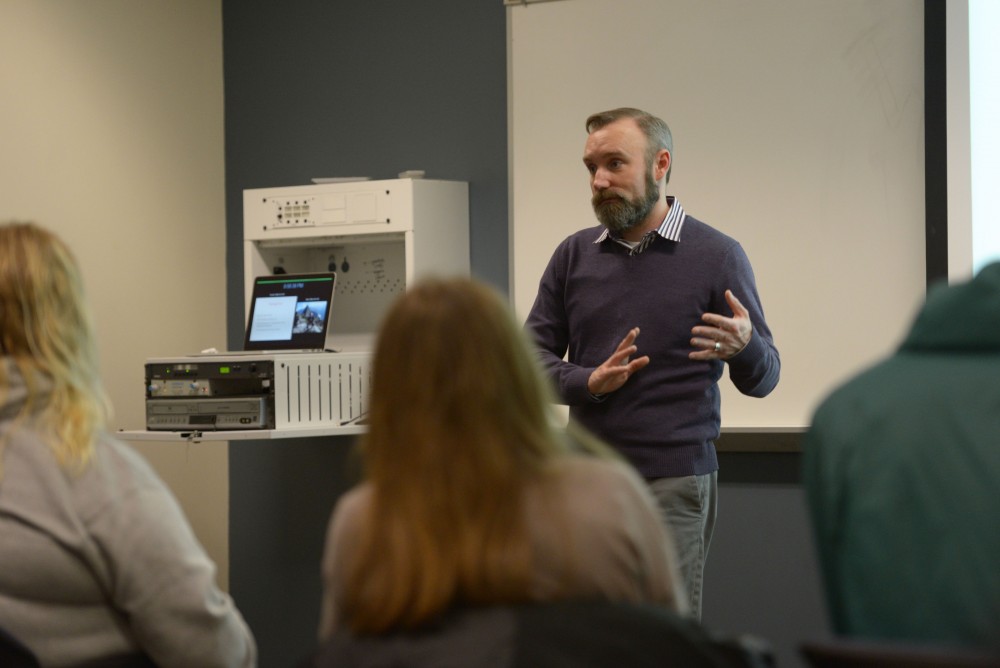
319,88
762,576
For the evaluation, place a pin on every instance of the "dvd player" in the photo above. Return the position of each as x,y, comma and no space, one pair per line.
261,391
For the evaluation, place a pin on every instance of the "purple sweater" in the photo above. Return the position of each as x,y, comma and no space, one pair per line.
666,418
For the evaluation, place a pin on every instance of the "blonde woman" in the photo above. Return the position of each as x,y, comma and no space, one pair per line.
98,560
471,496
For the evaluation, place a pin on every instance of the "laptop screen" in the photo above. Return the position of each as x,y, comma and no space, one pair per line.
290,312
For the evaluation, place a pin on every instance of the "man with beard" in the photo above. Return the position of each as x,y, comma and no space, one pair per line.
689,289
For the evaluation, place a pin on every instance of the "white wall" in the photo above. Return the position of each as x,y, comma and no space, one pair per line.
798,129
111,134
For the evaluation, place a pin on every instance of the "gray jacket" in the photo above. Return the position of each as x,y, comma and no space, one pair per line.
103,563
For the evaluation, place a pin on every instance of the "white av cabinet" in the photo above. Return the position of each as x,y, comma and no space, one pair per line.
379,236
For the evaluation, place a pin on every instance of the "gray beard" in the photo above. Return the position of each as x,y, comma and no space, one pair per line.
619,214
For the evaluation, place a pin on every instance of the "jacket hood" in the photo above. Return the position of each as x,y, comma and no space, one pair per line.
16,391
960,318
13,390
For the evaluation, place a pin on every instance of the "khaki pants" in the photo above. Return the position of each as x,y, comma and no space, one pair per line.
689,505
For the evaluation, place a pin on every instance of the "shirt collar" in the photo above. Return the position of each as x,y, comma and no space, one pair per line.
669,229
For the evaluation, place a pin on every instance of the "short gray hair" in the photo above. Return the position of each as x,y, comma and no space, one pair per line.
657,132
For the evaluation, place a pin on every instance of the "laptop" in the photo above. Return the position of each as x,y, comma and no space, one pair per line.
290,313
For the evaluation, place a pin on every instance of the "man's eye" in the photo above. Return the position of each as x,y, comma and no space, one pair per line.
615,164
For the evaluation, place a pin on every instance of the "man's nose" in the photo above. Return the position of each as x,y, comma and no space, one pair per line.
600,181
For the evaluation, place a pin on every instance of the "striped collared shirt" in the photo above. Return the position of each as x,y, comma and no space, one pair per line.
669,229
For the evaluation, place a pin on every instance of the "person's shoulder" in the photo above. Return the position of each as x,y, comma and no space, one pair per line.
866,383
602,491
359,495
115,457
584,238
848,411
700,231
590,233
117,477
352,503
591,472
347,518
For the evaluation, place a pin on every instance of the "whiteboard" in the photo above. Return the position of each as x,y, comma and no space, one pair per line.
798,129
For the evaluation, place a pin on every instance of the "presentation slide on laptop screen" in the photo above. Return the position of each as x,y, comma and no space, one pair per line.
290,312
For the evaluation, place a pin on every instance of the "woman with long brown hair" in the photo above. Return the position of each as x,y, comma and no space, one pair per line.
472,494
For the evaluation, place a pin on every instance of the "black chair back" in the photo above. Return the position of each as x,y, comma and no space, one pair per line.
845,653
568,634
13,654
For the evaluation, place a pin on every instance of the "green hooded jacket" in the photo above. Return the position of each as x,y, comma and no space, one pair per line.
902,476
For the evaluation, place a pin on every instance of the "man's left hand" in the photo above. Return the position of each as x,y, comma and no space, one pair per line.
719,338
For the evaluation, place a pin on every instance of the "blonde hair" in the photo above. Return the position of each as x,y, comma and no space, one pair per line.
461,419
47,334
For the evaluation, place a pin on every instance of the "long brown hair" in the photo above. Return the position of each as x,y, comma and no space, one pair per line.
47,334
461,419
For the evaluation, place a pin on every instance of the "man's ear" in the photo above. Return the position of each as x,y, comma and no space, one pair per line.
661,164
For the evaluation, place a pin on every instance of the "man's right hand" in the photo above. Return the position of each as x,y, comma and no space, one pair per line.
617,369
